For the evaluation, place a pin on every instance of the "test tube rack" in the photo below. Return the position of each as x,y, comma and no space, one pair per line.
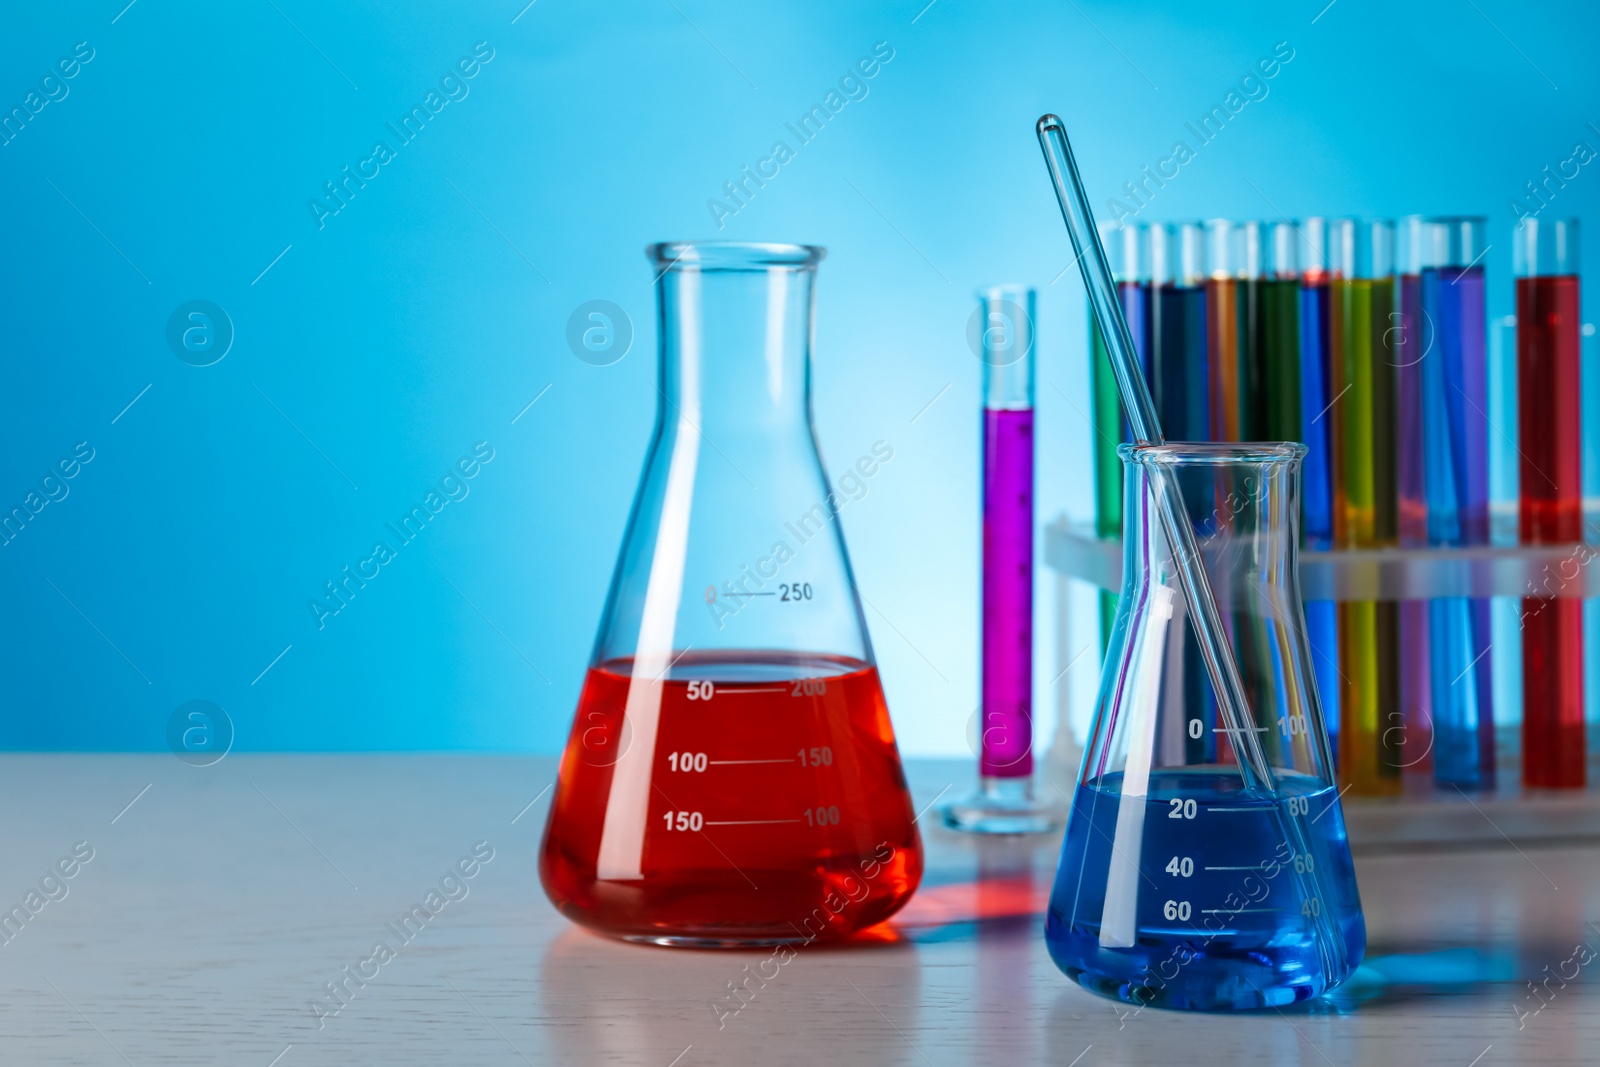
1424,812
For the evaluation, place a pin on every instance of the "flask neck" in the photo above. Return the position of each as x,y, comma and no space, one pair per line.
736,348
1245,518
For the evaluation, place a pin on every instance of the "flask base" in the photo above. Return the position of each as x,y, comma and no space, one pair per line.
686,941
1210,993
1001,806
754,907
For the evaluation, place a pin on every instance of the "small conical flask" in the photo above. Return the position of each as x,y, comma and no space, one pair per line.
731,777
1187,880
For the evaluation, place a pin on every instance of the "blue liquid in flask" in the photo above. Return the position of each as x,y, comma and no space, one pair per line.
1218,919
1205,865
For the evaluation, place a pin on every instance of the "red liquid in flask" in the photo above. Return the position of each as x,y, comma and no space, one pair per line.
777,811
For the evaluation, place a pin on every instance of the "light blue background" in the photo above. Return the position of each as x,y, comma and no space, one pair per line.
425,315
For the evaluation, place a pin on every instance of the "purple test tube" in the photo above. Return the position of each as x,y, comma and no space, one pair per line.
1409,347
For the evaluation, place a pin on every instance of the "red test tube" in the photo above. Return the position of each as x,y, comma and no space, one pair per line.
1549,433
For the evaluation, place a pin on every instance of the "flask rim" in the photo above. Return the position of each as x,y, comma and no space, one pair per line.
1214,453
733,255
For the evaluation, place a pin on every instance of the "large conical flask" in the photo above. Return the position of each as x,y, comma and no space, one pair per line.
732,777
1206,867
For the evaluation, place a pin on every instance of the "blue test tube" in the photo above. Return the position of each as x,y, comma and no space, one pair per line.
1317,475
1456,475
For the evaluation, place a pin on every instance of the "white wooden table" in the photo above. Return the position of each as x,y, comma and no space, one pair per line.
219,903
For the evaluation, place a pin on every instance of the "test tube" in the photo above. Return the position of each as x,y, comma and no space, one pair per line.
1318,472
1415,339
1549,404
1455,382
1361,306
1179,361
1004,802
1269,342
1230,394
1591,509
1505,612
1268,313
1127,250
1273,293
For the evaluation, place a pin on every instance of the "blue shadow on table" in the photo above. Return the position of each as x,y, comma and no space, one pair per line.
1400,976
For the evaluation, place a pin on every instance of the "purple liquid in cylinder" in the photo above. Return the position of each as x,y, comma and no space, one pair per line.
1006,733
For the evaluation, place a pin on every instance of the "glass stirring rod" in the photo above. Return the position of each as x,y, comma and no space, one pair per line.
1145,426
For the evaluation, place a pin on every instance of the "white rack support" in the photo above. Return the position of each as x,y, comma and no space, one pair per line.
1425,813
1373,574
